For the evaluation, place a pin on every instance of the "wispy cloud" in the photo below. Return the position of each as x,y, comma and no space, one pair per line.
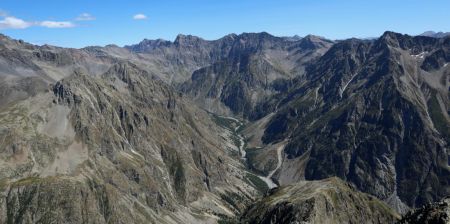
85,17
56,24
11,22
139,16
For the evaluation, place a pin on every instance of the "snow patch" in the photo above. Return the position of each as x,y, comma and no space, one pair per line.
421,55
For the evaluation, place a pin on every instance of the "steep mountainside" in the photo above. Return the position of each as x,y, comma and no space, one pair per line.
229,75
27,69
436,213
175,61
257,66
325,201
374,113
114,145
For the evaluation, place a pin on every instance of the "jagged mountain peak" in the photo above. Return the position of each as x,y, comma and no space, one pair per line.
148,45
313,37
183,39
231,36
408,42
293,38
260,36
392,34
393,39
112,46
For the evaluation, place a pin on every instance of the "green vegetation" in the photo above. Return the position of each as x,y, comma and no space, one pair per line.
234,154
251,159
3,184
439,121
223,122
375,203
27,181
175,165
229,124
334,197
241,128
233,199
259,184
227,221
177,171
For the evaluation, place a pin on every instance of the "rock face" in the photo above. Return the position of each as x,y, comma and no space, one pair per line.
113,146
227,76
374,113
27,69
325,201
175,61
230,75
257,66
437,213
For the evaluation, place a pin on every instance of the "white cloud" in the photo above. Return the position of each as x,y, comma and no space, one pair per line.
56,24
10,22
85,17
139,17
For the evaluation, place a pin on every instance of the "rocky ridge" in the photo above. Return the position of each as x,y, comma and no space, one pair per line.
112,147
325,201
364,112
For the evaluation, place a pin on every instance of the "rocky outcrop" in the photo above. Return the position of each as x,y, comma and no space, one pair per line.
437,213
120,147
325,201
256,67
367,113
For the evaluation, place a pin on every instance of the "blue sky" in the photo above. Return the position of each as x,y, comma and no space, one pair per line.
99,22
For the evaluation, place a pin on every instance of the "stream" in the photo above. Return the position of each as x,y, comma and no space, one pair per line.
267,179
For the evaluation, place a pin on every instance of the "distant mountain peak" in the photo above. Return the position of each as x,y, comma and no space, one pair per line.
146,45
293,38
260,35
186,39
390,34
230,36
434,34
313,42
393,39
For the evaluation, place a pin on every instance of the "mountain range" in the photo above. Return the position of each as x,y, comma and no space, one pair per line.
249,128
435,34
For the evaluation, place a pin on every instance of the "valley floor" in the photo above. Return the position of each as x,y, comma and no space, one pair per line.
235,125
